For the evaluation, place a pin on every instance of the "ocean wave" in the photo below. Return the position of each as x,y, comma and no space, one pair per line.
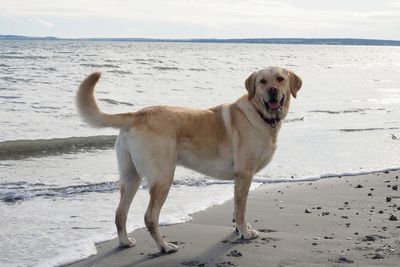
9,97
35,106
14,192
146,60
367,129
99,65
50,69
22,57
120,71
197,69
355,110
115,102
15,80
165,68
295,119
266,180
199,181
19,149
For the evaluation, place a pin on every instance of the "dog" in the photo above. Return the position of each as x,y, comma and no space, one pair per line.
230,141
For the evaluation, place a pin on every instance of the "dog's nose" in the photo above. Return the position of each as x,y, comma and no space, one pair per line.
273,92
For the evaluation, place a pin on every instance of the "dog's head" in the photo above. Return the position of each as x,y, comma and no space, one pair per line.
269,90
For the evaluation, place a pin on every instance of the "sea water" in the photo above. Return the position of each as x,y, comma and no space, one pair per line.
58,176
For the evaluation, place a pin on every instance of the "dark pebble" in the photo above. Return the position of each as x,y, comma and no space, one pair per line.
307,211
369,238
225,264
359,186
395,187
266,230
377,257
388,199
392,218
234,253
344,260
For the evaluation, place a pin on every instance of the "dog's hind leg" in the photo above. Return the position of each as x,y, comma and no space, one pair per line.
129,183
158,195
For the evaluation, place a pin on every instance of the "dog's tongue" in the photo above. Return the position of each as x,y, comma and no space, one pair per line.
273,105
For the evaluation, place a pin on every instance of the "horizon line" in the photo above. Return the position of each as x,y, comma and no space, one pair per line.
254,40
203,38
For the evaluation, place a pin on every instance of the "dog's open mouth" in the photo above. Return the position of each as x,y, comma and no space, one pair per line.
274,105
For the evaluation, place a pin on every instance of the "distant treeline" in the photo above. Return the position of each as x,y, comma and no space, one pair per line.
309,41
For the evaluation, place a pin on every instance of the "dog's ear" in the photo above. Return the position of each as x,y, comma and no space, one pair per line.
250,84
295,83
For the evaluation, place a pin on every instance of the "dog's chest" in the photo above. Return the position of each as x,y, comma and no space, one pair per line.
266,155
263,149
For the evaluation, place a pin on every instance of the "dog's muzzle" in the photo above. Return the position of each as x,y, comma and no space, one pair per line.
272,104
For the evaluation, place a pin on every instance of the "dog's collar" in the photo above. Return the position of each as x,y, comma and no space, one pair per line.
269,121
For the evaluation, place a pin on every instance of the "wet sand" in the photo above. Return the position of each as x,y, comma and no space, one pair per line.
330,222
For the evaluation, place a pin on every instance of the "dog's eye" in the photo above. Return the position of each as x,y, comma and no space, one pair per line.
279,78
263,81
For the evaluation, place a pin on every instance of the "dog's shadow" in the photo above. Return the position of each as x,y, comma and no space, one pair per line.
220,253
215,253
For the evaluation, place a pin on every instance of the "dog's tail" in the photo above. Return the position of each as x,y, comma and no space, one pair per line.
90,111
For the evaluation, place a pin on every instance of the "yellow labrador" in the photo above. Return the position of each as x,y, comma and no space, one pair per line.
230,141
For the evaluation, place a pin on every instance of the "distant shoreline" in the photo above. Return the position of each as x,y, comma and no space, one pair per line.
305,41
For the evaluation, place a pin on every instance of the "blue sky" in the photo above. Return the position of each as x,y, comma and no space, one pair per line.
375,19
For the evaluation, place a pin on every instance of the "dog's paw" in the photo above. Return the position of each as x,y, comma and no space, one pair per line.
249,233
169,248
252,234
128,243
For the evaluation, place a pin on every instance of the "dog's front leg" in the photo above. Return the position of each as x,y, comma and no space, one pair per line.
242,185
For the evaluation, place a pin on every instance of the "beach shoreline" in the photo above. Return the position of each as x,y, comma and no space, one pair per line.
329,222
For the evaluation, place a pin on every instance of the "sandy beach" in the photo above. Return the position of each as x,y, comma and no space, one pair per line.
330,222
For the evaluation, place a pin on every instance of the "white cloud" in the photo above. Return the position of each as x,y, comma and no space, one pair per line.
44,22
218,18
